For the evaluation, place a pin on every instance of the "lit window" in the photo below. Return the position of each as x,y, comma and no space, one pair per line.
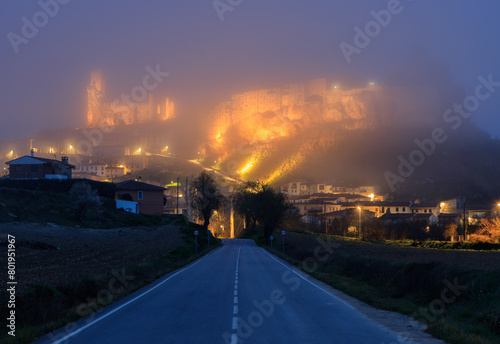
140,195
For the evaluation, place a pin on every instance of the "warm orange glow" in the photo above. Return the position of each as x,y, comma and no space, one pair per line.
247,167
10,154
290,164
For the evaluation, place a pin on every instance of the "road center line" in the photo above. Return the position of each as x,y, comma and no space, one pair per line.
234,336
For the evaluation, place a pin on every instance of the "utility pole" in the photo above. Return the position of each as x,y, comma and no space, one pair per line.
324,216
177,212
359,208
186,198
466,222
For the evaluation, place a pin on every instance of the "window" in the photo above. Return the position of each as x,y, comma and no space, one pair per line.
140,195
397,210
404,209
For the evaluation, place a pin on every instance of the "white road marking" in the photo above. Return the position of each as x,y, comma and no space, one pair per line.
124,305
234,336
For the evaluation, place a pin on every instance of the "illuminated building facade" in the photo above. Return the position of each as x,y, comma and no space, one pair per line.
101,113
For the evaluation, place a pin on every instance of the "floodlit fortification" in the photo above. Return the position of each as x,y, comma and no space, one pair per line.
128,109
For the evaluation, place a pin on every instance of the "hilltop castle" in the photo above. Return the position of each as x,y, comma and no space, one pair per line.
268,114
121,112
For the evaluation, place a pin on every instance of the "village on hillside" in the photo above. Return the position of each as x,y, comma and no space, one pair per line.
321,207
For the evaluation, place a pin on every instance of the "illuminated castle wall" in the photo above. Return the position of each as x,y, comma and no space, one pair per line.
301,103
102,113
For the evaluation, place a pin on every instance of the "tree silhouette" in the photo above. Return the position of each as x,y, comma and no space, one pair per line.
260,204
205,197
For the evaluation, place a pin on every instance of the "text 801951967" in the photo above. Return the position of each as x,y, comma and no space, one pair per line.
11,284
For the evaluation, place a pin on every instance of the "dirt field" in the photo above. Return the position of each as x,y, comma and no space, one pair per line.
52,255
480,260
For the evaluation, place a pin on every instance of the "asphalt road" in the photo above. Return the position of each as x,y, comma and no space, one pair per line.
237,294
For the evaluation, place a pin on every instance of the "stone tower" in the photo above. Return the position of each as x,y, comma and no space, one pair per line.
95,95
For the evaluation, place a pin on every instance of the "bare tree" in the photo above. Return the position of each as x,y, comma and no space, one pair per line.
489,231
83,199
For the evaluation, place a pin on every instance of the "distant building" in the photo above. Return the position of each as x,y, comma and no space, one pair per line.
112,172
31,167
101,113
453,205
446,218
149,197
96,169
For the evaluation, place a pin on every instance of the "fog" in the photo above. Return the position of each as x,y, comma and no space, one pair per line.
257,44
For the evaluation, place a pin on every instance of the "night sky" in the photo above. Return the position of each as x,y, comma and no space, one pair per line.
259,43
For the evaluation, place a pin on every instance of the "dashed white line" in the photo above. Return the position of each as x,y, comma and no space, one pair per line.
234,336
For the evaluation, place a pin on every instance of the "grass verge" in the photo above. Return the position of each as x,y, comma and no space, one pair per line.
458,305
41,309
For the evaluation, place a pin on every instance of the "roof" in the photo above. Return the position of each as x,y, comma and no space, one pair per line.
28,160
480,207
449,215
422,216
375,204
423,205
395,216
349,195
350,212
140,186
